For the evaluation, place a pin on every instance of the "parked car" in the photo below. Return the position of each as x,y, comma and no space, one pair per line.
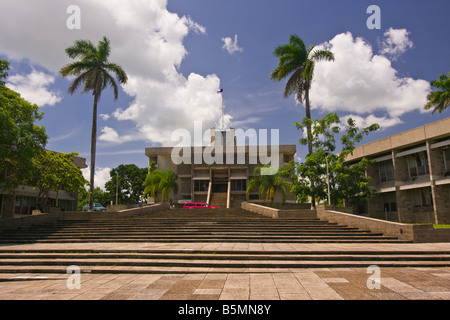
198,205
97,207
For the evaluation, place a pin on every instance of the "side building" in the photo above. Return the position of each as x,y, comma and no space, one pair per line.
218,174
23,201
411,175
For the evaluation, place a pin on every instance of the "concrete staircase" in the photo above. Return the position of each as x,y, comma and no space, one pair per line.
196,225
190,231
219,199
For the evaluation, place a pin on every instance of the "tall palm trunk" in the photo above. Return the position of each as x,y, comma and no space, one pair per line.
308,131
308,115
93,148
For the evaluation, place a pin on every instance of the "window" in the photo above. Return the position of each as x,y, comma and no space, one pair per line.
239,185
201,185
422,197
386,169
389,202
418,164
447,160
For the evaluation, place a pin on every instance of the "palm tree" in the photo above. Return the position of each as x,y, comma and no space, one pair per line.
440,99
268,185
160,181
93,70
168,183
297,63
151,183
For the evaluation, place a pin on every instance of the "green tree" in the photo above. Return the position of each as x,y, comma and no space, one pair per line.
298,63
346,181
439,100
151,184
168,183
21,139
128,180
56,171
100,196
4,67
93,70
160,181
269,185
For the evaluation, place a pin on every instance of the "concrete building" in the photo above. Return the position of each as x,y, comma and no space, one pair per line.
23,201
219,173
411,175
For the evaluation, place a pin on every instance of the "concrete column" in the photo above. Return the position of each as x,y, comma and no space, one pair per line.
432,170
229,188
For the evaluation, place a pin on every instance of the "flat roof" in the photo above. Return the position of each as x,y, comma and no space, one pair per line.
431,131
285,149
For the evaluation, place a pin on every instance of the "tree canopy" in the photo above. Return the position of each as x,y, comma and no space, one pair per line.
128,179
56,171
21,139
269,185
158,181
346,181
439,100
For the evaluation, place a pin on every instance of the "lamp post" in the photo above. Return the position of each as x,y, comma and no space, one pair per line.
117,186
328,177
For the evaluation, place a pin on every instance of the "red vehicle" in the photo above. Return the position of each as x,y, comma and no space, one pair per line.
198,205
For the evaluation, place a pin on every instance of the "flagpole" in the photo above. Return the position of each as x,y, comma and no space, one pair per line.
223,107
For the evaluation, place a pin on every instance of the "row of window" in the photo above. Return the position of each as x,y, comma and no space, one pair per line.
420,197
236,185
417,166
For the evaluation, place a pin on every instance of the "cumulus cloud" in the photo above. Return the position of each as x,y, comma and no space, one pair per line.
395,43
231,45
146,40
361,83
104,116
33,87
109,135
101,176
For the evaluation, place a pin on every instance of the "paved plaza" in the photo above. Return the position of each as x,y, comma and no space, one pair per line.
327,283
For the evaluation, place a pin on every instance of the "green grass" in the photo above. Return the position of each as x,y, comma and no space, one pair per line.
441,226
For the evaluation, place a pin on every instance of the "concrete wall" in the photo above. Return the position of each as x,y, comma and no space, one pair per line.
27,221
278,213
77,215
56,214
410,232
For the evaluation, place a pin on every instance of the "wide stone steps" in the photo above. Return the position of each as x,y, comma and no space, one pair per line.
40,248
233,225
198,225
188,261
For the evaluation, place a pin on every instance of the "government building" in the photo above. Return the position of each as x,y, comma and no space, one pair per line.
219,173
411,175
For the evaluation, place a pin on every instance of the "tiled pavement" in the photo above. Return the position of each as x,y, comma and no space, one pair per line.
418,283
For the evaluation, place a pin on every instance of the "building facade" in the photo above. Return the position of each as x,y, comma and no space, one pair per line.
219,173
411,175
24,199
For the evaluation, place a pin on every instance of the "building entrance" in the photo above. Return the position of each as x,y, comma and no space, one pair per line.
220,181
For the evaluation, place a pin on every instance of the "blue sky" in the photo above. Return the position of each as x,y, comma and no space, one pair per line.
176,55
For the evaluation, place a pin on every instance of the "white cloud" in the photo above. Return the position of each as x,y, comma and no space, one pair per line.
101,176
104,116
362,122
230,45
359,82
33,87
146,40
109,135
395,43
